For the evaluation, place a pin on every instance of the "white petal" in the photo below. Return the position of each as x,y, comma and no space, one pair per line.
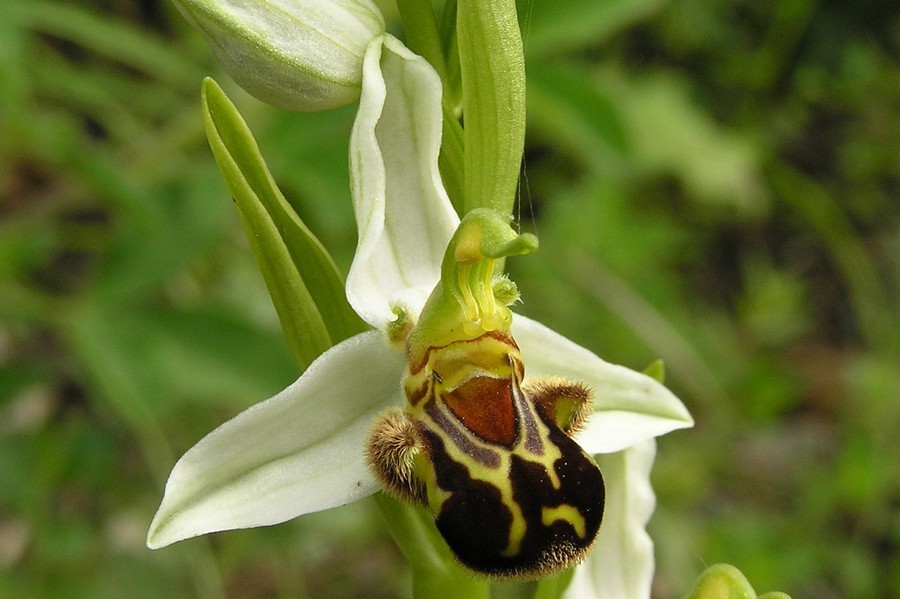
621,563
403,215
629,407
300,451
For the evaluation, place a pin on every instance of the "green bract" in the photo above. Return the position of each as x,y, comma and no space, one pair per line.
724,581
300,55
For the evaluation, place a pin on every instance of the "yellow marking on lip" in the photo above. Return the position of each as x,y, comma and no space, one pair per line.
566,513
516,529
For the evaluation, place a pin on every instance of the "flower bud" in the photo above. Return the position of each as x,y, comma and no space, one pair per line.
295,54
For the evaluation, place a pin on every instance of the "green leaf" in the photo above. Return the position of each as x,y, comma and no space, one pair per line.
670,134
301,276
567,101
557,27
421,35
115,38
451,160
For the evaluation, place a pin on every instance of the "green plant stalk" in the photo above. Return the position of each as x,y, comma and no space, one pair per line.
447,34
420,33
451,160
493,84
436,575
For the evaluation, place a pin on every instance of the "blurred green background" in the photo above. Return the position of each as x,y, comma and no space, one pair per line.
714,183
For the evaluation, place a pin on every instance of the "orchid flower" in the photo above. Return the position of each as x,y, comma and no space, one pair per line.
399,406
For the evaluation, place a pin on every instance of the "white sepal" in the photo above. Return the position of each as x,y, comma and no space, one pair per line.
298,452
629,406
621,563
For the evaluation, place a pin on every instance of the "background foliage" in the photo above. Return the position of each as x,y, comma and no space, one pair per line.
714,183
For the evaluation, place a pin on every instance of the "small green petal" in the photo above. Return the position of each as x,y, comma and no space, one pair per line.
493,83
722,581
656,370
301,277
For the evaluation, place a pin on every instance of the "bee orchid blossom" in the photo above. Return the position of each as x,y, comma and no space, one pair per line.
450,401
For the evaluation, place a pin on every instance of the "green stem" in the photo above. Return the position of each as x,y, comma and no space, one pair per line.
447,33
493,83
436,575
420,33
452,159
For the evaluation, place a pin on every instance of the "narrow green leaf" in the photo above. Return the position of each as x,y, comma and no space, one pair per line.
115,38
301,277
447,31
493,83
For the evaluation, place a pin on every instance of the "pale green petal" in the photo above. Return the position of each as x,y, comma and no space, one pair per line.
300,451
629,407
621,563
403,215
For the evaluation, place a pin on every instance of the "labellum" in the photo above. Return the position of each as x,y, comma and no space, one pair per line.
493,460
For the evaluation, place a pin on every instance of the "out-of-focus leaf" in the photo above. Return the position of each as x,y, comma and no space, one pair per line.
566,25
830,221
569,102
311,303
672,135
204,356
110,37
13,72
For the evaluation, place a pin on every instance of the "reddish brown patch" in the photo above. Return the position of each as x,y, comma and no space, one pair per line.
485,406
